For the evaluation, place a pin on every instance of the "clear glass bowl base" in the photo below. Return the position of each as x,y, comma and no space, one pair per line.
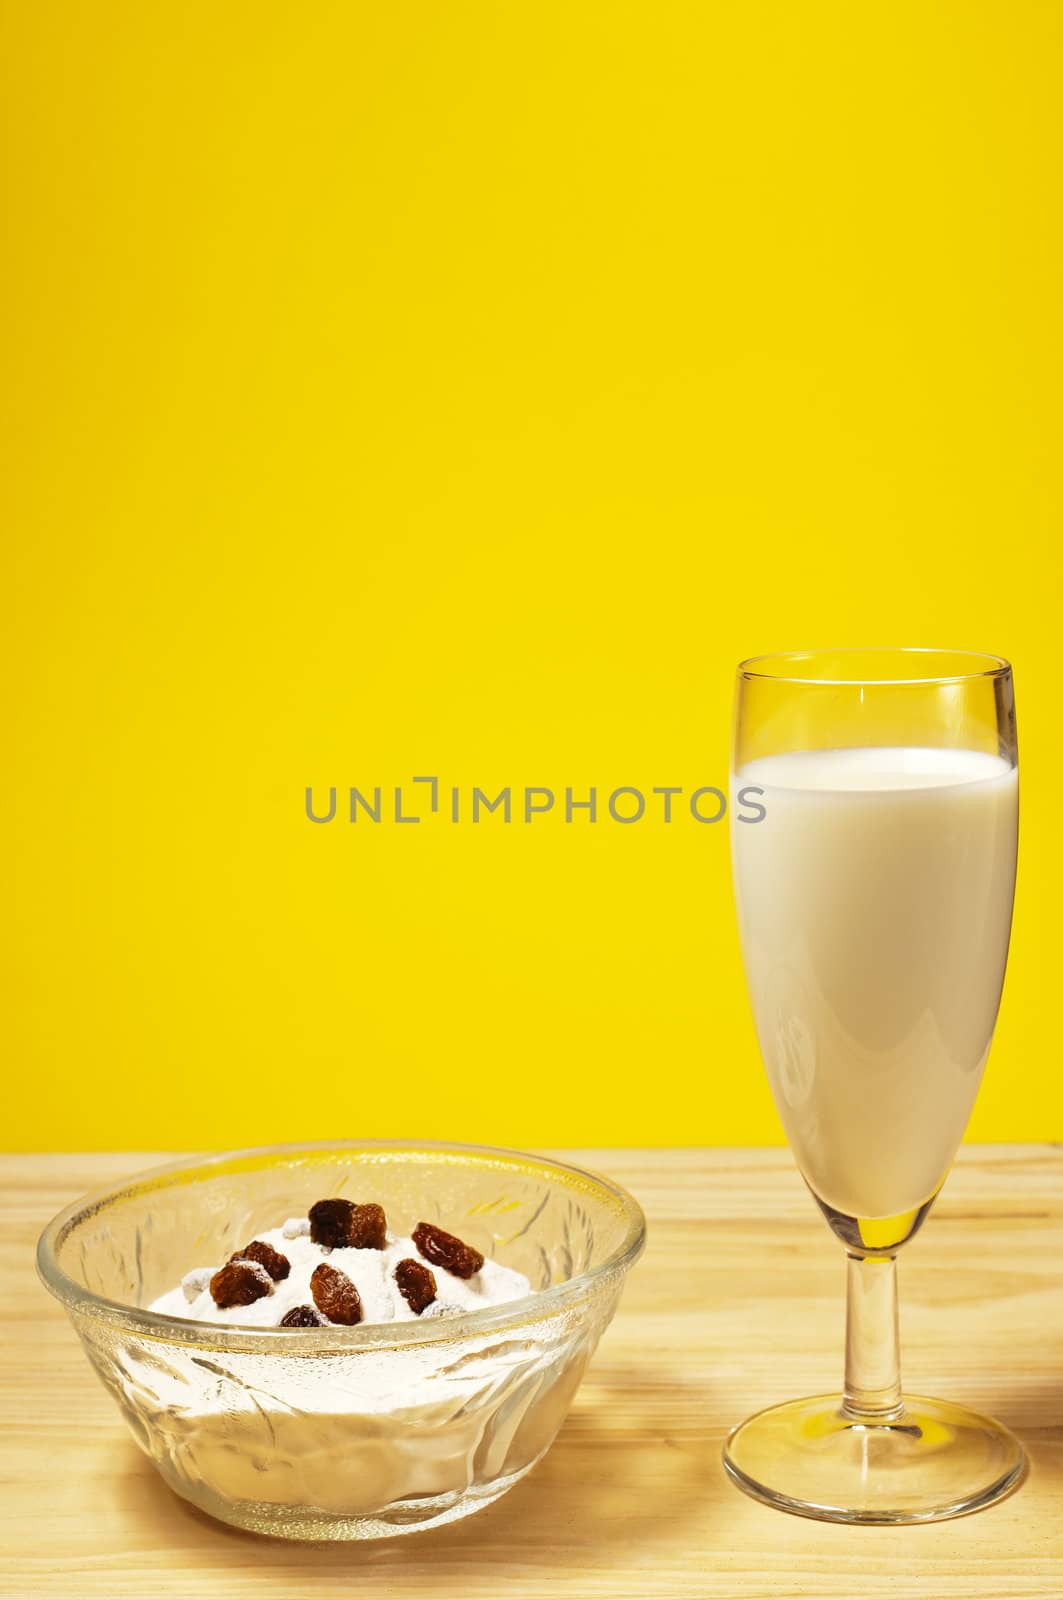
934,1460
307,1523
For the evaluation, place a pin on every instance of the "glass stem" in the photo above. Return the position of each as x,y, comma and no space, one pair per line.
872,1340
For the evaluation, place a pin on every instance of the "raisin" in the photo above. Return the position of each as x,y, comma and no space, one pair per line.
276,1265
239,1283
329,1222
443,1250
339,1224
369,1227
335,1295
417,1284
302,1317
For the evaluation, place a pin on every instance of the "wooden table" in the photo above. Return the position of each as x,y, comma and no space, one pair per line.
736,1303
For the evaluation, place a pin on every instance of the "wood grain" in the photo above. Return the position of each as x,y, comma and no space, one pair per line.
736,1304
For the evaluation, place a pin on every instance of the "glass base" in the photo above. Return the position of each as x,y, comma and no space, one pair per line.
933,1460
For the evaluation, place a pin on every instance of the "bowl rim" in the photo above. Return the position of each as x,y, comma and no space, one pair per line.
247,1337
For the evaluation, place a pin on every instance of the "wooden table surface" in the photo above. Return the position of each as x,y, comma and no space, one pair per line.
737,1303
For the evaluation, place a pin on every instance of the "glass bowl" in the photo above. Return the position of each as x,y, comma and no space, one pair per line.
334,1432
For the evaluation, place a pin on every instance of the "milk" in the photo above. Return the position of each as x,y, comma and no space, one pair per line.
874,905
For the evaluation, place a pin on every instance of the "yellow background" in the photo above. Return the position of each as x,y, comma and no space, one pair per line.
463,389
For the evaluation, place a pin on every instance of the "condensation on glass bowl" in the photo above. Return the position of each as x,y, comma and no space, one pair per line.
345,1433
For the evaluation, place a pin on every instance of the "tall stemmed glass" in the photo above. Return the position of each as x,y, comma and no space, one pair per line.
874,869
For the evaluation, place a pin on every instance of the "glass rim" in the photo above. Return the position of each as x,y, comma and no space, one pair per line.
994,666
253,1337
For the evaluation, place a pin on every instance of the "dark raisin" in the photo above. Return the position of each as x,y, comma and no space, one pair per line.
340,1224
302,1317
239,1283
276,1265
417,1284
330,1222
335,1295
443,1250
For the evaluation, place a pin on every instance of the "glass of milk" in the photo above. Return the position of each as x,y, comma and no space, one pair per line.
874,869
